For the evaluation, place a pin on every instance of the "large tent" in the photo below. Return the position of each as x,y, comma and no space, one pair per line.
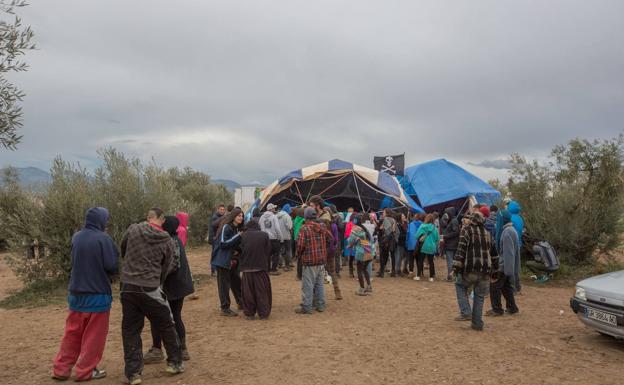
341,183
440,182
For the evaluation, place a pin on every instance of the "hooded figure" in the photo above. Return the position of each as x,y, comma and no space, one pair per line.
451,231
518,223
183,228
94,261
509,266
179,283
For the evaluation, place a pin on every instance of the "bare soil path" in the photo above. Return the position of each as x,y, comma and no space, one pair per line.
403,334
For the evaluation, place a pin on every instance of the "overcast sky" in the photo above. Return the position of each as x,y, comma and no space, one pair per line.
249,90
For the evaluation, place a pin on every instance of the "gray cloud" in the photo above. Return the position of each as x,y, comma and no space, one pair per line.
251,90
498,164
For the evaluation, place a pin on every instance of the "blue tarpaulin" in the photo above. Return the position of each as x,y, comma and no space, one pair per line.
440,181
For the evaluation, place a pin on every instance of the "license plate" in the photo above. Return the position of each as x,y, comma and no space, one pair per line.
601,316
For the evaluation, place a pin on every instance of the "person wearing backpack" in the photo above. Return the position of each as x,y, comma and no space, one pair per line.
428,238
544,261
400,254
389,236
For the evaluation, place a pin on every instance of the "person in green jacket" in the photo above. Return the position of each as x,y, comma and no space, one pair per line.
427,246
297,223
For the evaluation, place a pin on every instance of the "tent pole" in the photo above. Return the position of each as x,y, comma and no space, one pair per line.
358,191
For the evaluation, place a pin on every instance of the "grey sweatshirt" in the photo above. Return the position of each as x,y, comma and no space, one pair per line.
270,225
510,251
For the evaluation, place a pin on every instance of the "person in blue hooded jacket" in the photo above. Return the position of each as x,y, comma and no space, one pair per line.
514,209
411,241
94,261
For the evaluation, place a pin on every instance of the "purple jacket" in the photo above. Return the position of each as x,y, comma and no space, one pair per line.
333,245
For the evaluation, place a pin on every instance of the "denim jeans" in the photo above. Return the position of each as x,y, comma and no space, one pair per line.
312,289
450,254
481,284
398,257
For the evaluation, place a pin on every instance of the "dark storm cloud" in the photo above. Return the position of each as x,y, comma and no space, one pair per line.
250,90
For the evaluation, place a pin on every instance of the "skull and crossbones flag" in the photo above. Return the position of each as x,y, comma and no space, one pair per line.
391,164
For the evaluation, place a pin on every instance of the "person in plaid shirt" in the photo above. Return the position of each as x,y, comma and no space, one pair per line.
312,249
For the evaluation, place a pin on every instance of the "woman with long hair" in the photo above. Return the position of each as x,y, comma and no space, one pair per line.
360,240
225,259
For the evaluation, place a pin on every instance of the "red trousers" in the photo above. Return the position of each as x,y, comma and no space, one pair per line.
82,345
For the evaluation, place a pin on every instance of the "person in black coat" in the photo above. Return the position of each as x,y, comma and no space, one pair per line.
177,285
255,259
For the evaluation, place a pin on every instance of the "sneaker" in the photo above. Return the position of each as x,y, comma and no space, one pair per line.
250,318
229,313
431,279
135,379
462,318
274,272
543,279
512,312
449,278
493,313
416,278
392,275
153,356
98,374
287,268
369,289
320,309
300,310
173,368
338,295
361,292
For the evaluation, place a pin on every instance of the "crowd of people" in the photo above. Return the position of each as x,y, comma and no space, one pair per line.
481,247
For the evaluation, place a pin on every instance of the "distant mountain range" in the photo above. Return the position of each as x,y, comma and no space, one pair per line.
33,176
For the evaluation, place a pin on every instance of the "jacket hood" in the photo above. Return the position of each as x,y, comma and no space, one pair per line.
96,218
282,214
171,225
427,226
286,208
477,219
183,218
152,235
451,212
505,216
514,208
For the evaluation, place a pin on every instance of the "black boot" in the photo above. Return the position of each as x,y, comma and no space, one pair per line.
184,350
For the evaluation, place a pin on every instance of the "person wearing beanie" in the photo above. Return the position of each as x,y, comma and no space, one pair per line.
490,225
285,227
270,225
312,249
324,218
509,251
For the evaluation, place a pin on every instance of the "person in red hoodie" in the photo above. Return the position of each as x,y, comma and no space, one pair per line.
183,228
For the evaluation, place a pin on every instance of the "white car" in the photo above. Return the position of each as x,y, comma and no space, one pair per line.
599,303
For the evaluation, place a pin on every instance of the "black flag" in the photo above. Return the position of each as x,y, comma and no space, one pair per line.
391,164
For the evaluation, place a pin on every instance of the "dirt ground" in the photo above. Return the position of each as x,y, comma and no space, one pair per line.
403,334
